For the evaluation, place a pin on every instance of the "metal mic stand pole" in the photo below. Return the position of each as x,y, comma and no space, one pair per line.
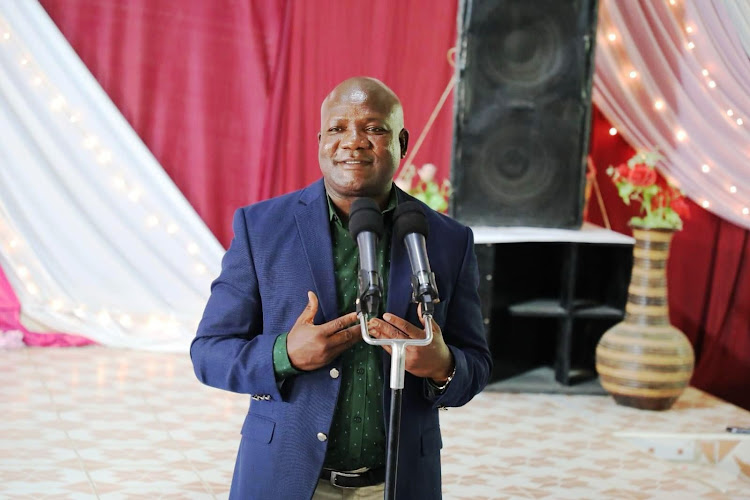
398,360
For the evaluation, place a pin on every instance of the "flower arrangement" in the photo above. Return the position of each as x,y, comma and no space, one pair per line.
662,204
425,189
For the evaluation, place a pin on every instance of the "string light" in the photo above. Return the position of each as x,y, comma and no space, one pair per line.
705,168
690,45
612,37
172,228
739,121
6,36
672,2
152,221
613,131
705,72
705,204
712,84
659,105
732,189
745,211
633,74
689,29
192,249
681,135
730,112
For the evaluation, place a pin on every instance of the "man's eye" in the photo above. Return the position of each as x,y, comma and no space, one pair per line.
377,130
334,129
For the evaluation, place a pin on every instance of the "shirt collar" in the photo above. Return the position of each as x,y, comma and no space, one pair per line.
392,203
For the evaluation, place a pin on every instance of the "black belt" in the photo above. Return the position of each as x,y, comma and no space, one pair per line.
369,477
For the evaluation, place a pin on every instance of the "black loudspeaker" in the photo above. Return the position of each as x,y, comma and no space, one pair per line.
522,112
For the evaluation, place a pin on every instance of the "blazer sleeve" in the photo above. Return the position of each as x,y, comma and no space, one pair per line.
463,332
229,351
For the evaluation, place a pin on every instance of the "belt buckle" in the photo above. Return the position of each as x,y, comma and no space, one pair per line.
335,474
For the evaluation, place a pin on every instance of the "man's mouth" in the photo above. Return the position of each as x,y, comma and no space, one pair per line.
354,162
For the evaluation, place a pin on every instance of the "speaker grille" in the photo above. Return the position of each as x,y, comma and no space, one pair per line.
522,112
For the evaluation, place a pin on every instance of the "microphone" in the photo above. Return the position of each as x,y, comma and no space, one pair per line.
366,226
410,225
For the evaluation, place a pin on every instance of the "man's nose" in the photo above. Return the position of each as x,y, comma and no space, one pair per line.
353,139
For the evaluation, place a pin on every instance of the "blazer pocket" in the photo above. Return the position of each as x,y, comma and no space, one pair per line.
258,428
432,442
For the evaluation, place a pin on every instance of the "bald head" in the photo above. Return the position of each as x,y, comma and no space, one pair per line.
361,141
362,89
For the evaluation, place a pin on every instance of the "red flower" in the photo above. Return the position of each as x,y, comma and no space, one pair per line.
642,175
623,170
680,206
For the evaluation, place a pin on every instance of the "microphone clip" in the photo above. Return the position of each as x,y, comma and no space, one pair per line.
370,293
424,291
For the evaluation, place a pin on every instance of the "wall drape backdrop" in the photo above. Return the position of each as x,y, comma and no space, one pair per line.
227,94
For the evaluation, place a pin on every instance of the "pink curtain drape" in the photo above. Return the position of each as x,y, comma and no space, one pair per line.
226,95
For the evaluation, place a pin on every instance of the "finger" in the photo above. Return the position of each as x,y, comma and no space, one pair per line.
382,329
346,337
407,328
341,323
311,309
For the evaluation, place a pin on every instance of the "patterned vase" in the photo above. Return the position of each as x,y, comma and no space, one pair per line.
643,361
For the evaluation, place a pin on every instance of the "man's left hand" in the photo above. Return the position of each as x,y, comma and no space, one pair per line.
433,361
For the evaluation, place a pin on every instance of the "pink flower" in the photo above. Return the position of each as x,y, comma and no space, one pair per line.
427,172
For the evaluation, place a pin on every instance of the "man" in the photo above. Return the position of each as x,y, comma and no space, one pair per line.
280,326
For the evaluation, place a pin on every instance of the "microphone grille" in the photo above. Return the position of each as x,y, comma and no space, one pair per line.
409,217
365,216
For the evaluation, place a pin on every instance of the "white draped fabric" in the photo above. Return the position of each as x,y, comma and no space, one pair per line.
94,237
674,76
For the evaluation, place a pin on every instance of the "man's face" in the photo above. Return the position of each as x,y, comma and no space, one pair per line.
360,143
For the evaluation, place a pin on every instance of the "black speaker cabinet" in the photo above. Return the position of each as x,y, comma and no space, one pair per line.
522,112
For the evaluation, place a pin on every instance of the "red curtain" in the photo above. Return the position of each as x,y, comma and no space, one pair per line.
226,94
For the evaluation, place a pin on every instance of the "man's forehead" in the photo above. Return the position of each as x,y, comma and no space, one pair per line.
364,109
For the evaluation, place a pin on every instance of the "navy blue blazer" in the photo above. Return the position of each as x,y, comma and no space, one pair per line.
280,250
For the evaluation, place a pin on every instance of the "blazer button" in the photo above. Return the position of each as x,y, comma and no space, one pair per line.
334,373
322,437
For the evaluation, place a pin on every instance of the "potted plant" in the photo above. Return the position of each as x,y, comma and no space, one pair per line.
644,361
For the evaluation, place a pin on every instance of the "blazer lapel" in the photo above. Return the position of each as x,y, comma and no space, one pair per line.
399,278
314,232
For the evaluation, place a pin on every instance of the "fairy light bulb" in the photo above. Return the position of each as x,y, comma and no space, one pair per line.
690,45
103,317
24,61
705,204
705,72
612,37
705,168
36,81
730,112
126,321
659,105
633,74
689,29
739,121
732,189
712,84
6,36
56,304
745,211
152,221
32,289
681,135
613,131
172,228
193,249
200,269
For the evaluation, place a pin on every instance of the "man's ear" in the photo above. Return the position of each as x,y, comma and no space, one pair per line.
319,137
403,140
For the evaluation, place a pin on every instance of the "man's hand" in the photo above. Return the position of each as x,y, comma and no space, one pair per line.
433,361
311,346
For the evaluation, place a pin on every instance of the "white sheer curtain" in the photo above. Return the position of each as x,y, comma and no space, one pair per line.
94,237
673,75
739,14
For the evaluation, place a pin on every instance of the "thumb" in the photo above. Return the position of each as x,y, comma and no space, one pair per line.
310,310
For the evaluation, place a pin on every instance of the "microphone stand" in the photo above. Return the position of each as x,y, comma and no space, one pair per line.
398,360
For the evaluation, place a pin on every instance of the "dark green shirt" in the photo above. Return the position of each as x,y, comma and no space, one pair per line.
357,435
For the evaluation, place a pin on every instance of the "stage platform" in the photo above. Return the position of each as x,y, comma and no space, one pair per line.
97,422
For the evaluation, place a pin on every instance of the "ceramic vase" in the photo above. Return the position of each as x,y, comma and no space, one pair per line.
644,362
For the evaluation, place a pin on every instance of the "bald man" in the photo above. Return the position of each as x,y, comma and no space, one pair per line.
280,323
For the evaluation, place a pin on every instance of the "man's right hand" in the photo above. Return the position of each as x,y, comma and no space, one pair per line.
311,346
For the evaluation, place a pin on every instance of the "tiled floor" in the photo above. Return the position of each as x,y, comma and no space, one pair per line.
103,423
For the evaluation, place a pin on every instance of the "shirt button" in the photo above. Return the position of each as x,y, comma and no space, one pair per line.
358,419
322,437
334,373
360,370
